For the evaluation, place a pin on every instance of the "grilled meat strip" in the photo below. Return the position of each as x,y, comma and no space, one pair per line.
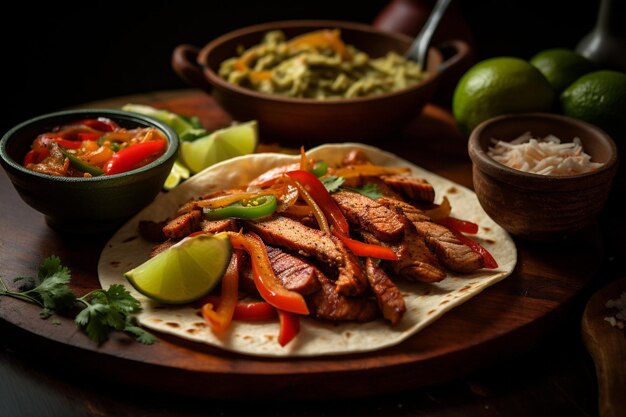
286,233
295,274
453,253
330,304
389,297
410,212
415,261
183,225
152,231
386,224
413,188
450,251
217,226
209,226
301,276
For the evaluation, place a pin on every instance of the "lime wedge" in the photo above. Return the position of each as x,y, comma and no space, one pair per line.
237,140
184,272
178,173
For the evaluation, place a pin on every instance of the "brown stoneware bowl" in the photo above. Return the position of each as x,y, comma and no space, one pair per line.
85,205
297,121
541,207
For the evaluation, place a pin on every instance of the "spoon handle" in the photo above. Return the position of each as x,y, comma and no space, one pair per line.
419,48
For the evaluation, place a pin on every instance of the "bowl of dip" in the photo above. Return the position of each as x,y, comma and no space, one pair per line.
280,89
542,176
88,170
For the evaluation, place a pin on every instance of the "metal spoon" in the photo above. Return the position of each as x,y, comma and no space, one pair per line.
418,51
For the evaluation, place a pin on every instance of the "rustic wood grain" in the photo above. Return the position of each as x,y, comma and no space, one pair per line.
607,346
505,320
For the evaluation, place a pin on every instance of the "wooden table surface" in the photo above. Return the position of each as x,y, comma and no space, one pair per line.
555,377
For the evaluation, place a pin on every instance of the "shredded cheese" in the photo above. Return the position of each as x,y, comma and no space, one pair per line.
545,156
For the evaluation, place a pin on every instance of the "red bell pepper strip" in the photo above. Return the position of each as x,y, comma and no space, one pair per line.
67,144
463,226
134,156
89,136
322,197
488,260
220,316
267,283
35,156
289,327
365,249
244,310
254,311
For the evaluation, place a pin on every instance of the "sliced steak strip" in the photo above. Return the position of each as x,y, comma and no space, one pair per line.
450,250
386,224
286,233
389,297
410,212
415,261
295,273
217,226
152,231
412,187
183,225
329,304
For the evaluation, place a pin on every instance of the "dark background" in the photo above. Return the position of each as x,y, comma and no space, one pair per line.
55,56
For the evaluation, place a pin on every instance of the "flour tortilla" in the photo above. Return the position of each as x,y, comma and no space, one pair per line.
425,302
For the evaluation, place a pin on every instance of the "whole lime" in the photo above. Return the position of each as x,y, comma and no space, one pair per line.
561,66
499,86
600,99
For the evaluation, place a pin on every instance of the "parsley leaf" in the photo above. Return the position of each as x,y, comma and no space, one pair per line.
370,190
103,311
332,183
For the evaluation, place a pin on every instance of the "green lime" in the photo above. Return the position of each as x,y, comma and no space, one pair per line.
184,272
237,140
600,99
561,66
178,173
498,86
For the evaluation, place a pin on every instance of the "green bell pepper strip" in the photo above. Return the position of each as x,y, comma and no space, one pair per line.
252,208
80,165
319,168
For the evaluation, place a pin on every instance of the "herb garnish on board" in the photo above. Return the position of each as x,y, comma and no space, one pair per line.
100,311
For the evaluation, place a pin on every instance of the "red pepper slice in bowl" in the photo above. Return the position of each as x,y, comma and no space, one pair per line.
134,156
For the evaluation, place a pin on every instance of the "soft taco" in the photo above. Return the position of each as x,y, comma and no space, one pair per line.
426,295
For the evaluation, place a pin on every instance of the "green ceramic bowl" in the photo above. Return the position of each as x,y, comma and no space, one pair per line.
85,205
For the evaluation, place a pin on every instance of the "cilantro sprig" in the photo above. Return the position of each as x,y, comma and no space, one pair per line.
100,311
333,183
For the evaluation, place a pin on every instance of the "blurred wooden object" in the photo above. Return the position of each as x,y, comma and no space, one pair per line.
607,346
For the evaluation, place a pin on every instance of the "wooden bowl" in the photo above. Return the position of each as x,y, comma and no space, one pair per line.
541,207
298,121
85,205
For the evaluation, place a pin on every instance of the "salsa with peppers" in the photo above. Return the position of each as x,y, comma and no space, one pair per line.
94,147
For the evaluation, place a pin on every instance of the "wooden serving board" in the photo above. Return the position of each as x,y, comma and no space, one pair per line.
506,319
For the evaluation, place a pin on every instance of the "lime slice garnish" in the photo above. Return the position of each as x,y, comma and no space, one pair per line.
223,144
184,272
178,173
